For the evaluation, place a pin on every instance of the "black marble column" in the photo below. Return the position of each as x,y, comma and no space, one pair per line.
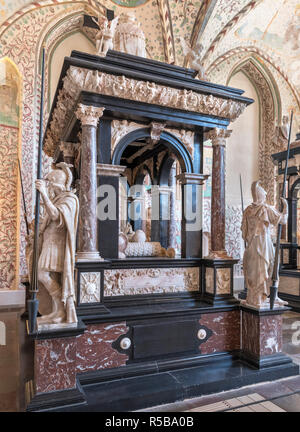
109,227
191,227
87,230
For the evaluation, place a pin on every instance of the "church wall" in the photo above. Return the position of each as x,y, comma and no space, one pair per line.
10,93
74,41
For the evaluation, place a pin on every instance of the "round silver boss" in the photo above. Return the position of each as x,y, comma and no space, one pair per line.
125,343
202,334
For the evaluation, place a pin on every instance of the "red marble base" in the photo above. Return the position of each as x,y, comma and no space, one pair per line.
262,335
58,361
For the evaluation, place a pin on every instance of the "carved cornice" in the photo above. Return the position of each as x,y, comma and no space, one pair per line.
80,79
218,136
89,115
192,178
110,170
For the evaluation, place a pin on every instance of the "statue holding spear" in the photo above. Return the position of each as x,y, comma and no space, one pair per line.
261,262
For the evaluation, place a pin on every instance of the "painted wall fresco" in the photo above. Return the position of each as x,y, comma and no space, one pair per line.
9,197
243,20
130,3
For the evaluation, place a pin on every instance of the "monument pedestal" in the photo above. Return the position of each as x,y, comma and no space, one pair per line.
262,337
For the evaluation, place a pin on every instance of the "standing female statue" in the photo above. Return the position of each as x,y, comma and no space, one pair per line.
258,219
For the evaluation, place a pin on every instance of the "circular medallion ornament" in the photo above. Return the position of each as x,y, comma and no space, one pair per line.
130,3
125,343
202,334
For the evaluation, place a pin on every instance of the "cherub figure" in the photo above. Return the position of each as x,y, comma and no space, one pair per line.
193,57
105,35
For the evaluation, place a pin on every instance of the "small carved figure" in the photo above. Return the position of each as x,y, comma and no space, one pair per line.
258,219
281,135
105,35
57,244
129,37
193,58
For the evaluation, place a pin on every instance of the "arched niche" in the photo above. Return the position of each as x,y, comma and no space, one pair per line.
270,114
10,152
162,230
169,140
63,48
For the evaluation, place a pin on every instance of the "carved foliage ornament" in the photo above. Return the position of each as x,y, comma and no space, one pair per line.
79,79
89,115
90,287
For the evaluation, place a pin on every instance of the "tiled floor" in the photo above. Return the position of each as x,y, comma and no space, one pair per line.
278,396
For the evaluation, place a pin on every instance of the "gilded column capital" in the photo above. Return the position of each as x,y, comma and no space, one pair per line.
218,136
89,115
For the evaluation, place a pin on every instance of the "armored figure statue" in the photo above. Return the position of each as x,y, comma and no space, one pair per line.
258,220
129,37
105,35
57,244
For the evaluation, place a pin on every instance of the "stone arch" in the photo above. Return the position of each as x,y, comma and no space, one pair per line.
166,138
10,152
270,115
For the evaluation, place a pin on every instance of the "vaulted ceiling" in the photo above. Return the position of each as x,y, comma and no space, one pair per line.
268,29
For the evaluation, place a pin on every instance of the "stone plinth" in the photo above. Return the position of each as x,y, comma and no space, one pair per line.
217,280
262,337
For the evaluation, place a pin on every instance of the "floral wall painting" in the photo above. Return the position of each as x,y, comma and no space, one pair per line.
275,27
9,94
130,3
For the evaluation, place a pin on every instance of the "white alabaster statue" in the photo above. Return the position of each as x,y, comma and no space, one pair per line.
258,220
57,244
105,35
193,58
129,37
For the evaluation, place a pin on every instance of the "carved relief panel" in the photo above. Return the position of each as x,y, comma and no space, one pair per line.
150,281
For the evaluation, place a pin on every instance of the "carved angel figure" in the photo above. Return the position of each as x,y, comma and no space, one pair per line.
193,58
105,35
57,244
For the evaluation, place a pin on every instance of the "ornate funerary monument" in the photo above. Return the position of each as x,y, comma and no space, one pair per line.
156,321
289,287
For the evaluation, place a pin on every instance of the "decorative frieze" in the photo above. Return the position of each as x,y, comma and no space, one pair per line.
80,79
150,281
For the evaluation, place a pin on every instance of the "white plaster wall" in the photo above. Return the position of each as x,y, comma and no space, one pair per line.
77,41
242,148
